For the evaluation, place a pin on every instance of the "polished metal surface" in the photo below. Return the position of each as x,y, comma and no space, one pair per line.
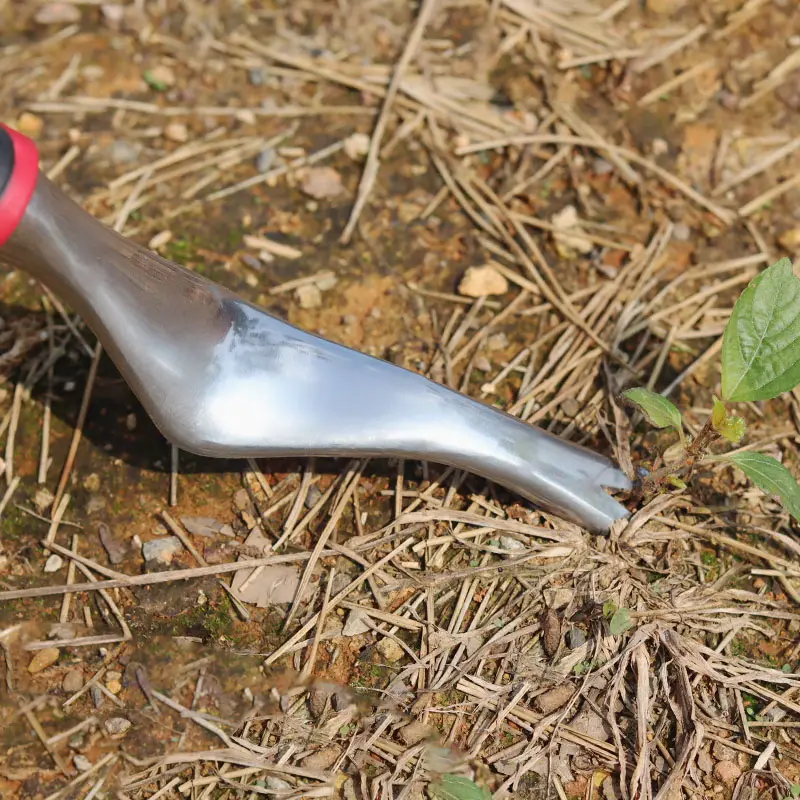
221,377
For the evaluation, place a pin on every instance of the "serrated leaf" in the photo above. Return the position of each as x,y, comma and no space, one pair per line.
771,477
761,344
620,622
659,411
457,787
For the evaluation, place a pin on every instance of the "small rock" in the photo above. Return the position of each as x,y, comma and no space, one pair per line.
570,406
176,132
704,761
356,145
322,759
117,726
326,282
256,76
497,341
390,650
554,699
161,75
681,232
322,183
609,787
130,422
42,659
790,239
265,160
568,234
73,681
318,701
122,152
30,125
414,733
727,771
576,638
42,500
355,625
114,686
349,790
246,116
57,14
113,14
98,698
95,504
312,496
93,72
483,364
54,563
201,526
510,543
162,551
116,550
82,764
601,167
722,752
308,296
482,281
92,482
241,500
278,784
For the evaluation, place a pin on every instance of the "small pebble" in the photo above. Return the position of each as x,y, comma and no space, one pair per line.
161,75
265,160
256,76
356,145
130,422
82,764
576,638
43,499
601,167
482,281
727,771
42,659
117,726
497,341
252,262
73,681
98,698
57,14
162,551
554,698
115,687
681,232
30,125
308,296
53,563
390,650
312,497
176,132
92,482
96,503
322,183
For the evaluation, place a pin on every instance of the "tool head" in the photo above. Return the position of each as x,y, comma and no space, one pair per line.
222,377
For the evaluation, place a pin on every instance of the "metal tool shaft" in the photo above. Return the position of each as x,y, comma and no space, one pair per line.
221,377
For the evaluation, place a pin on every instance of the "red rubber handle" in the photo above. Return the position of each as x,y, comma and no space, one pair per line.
19,170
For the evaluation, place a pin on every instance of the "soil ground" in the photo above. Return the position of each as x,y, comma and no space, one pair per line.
624,168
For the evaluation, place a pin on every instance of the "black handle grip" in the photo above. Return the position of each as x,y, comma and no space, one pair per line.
6,159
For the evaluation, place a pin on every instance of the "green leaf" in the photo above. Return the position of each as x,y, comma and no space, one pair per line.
457,787
153,82
620,622
795,790
761,345
675,481
771,477
659,411
609,607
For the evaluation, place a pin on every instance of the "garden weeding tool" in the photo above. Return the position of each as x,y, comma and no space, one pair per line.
221,377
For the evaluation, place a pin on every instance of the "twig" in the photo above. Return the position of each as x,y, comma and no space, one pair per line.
372,164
